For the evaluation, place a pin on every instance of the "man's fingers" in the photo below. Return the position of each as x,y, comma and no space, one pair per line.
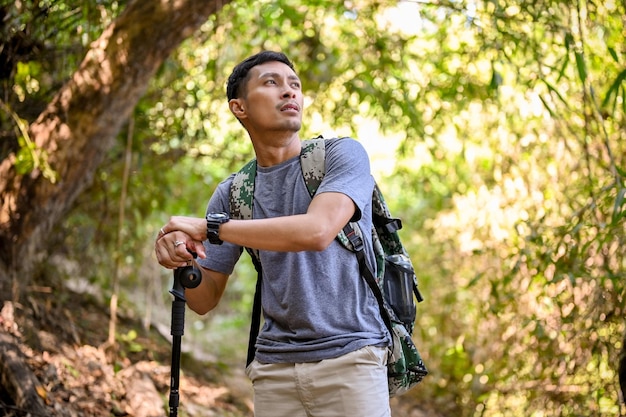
198,249
177,250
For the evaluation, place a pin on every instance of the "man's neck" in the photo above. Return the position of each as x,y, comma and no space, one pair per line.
276,147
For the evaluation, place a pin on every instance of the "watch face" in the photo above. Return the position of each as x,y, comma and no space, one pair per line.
217,218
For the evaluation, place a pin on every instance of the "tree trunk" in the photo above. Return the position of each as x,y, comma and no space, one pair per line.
80,125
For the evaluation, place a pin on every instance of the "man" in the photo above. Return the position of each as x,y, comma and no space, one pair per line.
322,350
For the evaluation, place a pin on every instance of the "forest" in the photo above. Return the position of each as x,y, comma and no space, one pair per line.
496,130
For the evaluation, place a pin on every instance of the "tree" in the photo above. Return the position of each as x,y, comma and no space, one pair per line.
70,137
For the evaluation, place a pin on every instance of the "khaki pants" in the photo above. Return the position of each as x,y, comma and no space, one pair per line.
353,385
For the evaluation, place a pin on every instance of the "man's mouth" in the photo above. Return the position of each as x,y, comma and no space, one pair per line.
290,107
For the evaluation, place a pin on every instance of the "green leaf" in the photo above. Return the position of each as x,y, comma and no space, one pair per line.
614,89
496,80
618,212
563,67
24,162
580,65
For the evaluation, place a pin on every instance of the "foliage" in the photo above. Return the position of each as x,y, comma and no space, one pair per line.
529,229
509,175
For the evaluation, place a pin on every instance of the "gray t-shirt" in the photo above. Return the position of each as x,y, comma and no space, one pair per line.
315,304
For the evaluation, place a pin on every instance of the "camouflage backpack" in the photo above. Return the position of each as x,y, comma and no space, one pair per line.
394,285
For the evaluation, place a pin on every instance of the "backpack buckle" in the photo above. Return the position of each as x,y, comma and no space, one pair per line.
353,237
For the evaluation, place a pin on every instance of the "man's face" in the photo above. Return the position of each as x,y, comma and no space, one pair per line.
273,100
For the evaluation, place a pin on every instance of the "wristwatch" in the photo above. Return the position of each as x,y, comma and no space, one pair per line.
213,221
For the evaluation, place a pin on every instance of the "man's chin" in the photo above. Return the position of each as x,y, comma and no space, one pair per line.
287,126
293,126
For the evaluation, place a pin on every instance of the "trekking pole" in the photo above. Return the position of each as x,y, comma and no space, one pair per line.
185,277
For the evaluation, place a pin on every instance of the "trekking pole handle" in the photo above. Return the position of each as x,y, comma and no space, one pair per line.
185,277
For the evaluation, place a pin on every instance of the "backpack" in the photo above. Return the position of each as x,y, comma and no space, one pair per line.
394,285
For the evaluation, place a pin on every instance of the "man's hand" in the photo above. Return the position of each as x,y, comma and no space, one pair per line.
178,240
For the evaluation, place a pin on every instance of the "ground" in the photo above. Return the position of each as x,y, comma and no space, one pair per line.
77,374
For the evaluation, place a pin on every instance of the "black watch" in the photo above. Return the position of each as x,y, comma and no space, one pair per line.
213,221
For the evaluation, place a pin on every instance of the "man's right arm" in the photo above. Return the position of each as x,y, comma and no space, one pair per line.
206,296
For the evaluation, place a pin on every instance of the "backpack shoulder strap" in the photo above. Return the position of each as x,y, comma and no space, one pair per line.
241,199
242,192
386,225
313,163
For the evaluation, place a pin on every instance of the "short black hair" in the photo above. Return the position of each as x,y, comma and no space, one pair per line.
237,80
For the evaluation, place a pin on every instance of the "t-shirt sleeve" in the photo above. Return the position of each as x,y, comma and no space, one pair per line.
348,172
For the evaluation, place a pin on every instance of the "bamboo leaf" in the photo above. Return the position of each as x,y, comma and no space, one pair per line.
563,67
614,89
580,65
547,106
555,91
618,212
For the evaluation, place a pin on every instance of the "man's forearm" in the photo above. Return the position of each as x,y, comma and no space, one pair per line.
206,296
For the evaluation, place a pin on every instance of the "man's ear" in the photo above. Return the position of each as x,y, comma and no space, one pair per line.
237,108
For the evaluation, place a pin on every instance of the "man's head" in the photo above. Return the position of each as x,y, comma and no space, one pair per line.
236,86
265,94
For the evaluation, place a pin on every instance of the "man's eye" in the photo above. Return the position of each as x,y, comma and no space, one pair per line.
270,82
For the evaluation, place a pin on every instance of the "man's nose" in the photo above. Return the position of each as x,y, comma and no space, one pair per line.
289,92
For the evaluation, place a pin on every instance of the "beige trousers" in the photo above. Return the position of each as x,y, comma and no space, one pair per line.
353,385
